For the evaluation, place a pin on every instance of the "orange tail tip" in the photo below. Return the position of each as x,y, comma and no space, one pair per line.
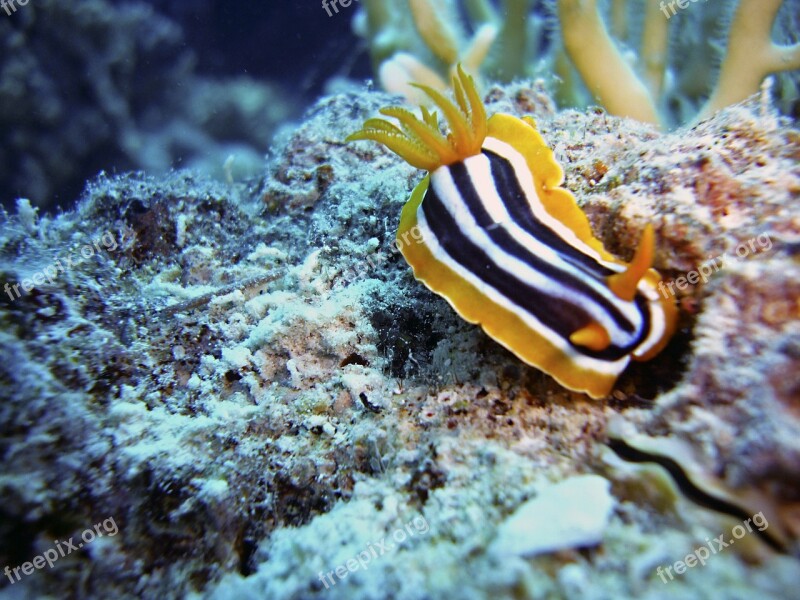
593,336
624,284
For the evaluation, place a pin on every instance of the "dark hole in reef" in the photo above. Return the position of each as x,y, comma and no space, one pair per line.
247,549
354,359
154,229
297,501
661,373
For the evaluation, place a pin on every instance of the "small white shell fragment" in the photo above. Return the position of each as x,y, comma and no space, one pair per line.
569,514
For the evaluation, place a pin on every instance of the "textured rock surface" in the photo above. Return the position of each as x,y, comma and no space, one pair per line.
250,382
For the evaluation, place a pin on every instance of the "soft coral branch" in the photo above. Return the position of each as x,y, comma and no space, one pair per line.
407,35
655,45
751,54
604,70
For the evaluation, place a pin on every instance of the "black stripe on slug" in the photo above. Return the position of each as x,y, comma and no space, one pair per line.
562,318
506,242
518,205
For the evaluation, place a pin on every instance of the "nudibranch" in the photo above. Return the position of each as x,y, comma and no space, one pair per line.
491,230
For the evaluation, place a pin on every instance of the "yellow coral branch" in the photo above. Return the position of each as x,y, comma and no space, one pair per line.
476,52
751,55
397,73
604,71
434,30
655,43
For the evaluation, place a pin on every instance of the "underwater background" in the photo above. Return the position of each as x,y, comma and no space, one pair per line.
220,377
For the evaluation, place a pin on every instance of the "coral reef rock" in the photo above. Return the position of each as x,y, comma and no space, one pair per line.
245,379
